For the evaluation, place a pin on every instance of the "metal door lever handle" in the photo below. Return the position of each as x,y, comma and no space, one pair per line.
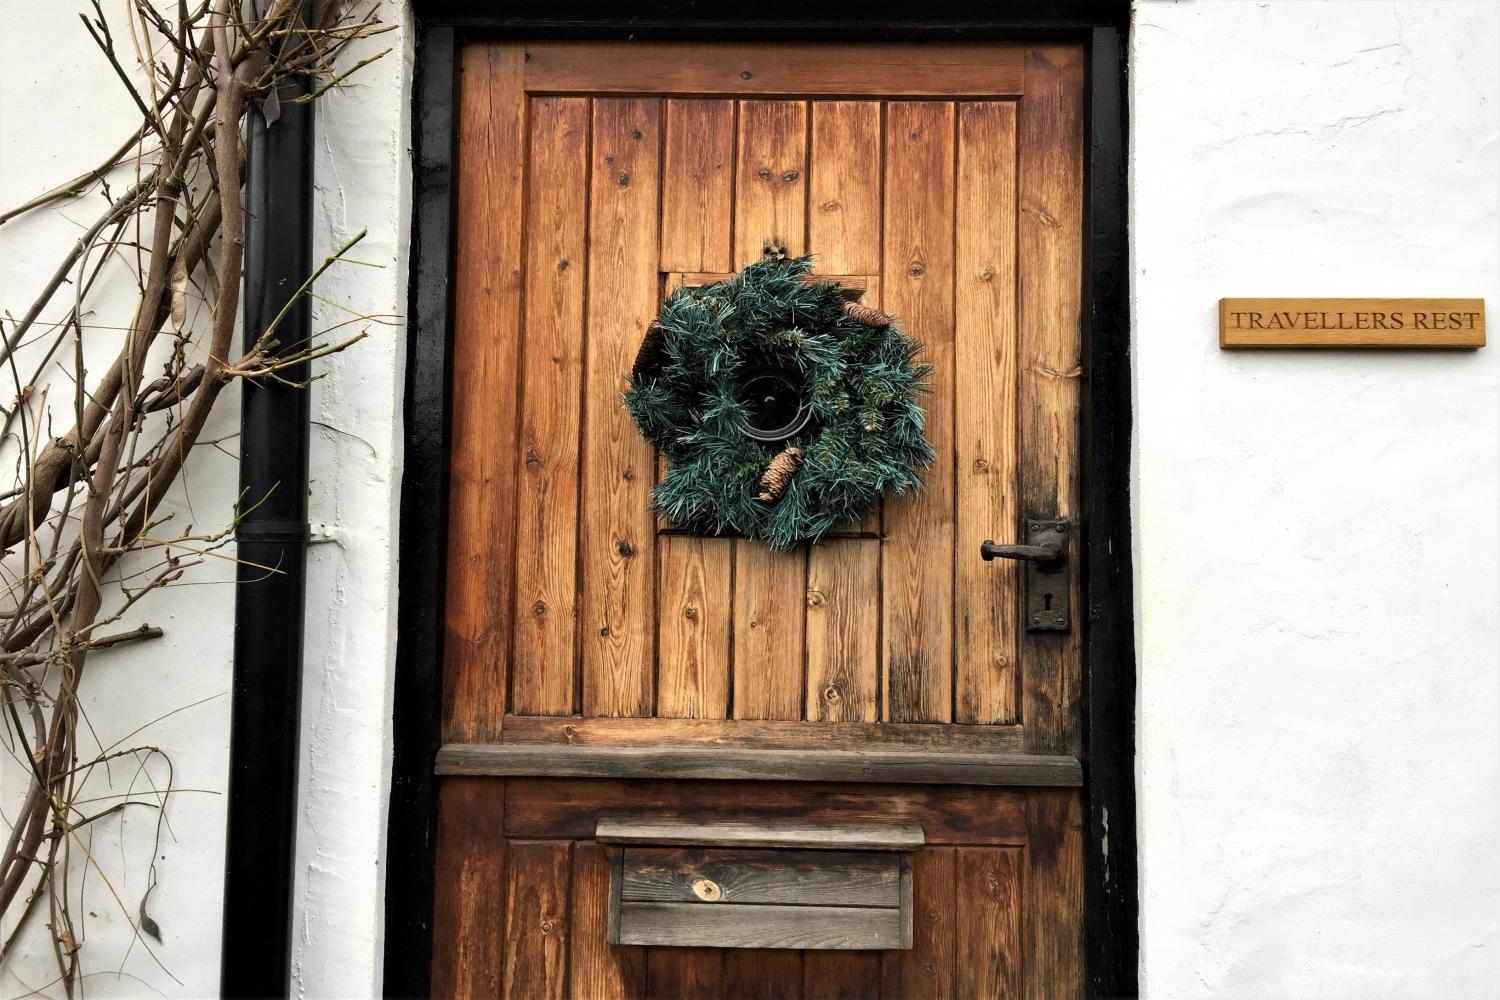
1046,554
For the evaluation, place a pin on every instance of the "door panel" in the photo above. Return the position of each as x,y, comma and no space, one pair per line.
944,183
623,198
995,896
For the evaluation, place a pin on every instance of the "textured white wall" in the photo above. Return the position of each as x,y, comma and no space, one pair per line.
1317,548
58,118
362,174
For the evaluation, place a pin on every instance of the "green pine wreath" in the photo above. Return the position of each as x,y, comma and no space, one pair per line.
694,394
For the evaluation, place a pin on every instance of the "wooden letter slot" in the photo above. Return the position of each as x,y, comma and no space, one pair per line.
739,885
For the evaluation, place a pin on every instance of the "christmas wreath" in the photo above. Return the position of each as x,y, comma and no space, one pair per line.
782,408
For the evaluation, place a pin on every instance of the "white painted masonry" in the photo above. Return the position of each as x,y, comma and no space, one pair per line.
1318,534
1318,562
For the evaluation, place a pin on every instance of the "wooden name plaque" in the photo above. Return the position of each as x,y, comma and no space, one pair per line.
1351,323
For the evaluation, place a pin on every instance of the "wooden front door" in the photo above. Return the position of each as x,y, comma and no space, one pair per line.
601,666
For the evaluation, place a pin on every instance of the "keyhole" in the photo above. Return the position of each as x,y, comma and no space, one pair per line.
1046,602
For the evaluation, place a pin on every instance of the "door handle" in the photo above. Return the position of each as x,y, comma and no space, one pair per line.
1048,553
1046,581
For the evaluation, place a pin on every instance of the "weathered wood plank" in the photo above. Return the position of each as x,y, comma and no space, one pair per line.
844,208
770,196
1050,148
684,973
852,286
469,899
697,182
598,970
928,968
727,925
917,569
536,920
770,600
807,836
1053,924
522,759
989,920
799,68
756,974
486,333
546,560
617,531
693,607
843,630
844,189
800,877
763,734
840,975
987,594
545,807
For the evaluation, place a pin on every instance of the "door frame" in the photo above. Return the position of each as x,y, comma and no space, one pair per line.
1111,916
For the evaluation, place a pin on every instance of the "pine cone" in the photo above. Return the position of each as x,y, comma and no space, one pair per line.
648,356
866,315
778,474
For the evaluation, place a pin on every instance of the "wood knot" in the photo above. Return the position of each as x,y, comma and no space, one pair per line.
764,173
539,608
832,695
624,548
745,74
707,890
916,270
690,612
625,179
815,598
790,176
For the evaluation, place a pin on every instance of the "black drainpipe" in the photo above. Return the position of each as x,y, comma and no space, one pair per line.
272,532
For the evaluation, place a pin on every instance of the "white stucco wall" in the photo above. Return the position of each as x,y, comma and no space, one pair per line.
1317,551
58,118
1318,534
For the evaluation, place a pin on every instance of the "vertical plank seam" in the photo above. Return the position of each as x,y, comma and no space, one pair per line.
807,169
882,709
1017,515
654,701
953,852
567,923
734,556
663,125
953,427
523,243
513,585
583,381
506,871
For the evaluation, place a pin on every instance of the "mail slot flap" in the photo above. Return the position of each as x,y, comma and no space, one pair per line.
797,878
724,888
